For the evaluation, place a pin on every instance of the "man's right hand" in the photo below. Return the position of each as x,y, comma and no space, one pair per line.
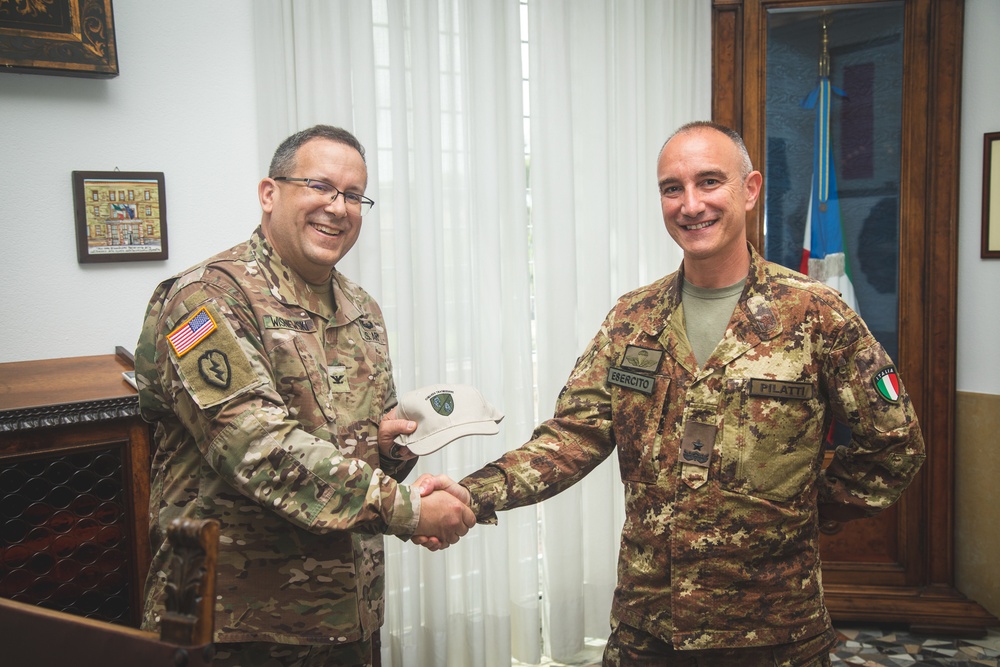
443,518
440,485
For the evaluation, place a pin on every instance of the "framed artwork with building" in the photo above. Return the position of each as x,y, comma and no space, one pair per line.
121,216
991,196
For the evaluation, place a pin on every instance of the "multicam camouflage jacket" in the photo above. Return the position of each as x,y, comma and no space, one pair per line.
723,465
266,403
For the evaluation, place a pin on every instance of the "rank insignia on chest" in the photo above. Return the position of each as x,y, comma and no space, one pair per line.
339,384
698,443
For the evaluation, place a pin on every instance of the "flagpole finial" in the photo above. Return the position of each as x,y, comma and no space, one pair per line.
824,54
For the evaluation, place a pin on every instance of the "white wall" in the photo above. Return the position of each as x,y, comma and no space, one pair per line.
183,104
978,355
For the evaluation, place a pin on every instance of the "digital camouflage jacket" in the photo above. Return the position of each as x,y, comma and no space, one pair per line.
723,466
266,413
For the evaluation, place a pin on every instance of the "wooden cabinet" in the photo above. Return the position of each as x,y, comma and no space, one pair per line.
74,487
898,567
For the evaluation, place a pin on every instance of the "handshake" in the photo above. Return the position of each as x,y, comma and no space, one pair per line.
444,412
444,512
444,504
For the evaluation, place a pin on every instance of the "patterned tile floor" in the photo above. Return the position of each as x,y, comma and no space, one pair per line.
868,647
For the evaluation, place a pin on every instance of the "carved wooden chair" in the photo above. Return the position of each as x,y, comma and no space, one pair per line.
40,637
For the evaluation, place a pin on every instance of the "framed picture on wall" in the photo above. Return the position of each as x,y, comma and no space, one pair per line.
62,37
114,228
991,196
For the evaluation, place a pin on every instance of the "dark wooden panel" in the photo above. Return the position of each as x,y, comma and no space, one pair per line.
74,487
898,567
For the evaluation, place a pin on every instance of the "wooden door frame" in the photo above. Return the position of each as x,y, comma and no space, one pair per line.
929,177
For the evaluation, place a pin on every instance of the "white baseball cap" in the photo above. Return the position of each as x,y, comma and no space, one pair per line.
445,412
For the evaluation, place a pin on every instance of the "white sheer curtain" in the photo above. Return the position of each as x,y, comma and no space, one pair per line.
609,81
433,89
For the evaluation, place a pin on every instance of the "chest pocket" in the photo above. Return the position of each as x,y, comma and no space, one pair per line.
771,444
638,426
301,380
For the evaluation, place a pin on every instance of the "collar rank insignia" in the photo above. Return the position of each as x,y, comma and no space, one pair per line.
887,384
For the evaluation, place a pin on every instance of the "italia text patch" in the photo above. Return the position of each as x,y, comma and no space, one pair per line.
194,330
634,381
887,384
802,391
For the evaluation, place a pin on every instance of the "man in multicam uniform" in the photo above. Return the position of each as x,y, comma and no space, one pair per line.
717,385
267,375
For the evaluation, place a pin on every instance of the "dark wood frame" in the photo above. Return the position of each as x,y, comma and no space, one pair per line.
83,205
81,405
991,207
71,44
918,589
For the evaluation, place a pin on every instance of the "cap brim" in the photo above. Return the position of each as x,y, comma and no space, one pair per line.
436,441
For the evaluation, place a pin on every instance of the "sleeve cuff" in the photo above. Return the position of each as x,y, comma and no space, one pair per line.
486,488
405,512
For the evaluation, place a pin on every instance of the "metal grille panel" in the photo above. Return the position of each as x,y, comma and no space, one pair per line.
64,534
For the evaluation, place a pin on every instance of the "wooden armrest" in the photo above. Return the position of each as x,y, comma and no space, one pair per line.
39,637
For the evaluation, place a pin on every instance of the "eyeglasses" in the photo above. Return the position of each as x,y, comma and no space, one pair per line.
354,202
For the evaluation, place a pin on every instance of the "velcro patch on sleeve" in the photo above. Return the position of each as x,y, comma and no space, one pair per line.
219,369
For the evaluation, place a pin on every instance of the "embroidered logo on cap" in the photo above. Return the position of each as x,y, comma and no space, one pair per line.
194,330
443,413
443,403
887,384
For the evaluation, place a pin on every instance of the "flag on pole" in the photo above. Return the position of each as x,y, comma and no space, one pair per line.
824,253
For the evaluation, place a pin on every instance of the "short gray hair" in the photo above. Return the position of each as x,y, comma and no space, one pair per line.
283,161
745,168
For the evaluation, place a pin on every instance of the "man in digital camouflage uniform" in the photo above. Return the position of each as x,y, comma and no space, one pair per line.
267,375
717,385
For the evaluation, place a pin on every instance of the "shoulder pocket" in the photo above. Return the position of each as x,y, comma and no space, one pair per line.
216,368
882,389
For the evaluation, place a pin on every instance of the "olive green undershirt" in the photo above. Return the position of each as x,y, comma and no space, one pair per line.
707,311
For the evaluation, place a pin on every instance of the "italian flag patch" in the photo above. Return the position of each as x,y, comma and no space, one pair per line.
887,384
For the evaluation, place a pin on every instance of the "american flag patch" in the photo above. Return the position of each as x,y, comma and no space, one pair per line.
192,332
